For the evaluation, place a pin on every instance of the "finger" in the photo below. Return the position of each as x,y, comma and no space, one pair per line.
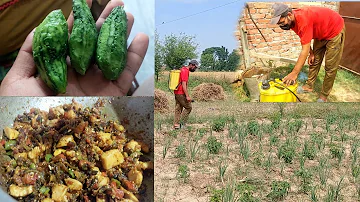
70,20
106,12
135,57
130,19
24,65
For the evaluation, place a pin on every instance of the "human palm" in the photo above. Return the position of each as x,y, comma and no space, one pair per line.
22,79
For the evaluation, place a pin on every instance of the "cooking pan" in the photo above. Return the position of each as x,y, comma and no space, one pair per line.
136,114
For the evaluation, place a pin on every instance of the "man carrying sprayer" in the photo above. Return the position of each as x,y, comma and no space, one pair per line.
182,98
327,29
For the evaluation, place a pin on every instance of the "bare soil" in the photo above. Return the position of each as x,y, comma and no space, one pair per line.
204,171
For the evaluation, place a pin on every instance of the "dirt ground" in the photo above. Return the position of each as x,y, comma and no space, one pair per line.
203,180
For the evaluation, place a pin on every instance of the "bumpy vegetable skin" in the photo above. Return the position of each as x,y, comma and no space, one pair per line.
50,45
111,49
83,38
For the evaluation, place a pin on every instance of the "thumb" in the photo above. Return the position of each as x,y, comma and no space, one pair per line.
24,65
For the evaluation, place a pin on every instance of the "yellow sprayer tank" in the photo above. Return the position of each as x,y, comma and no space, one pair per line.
174,77
277,92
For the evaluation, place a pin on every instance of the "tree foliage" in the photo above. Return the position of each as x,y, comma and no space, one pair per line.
219,59
177,49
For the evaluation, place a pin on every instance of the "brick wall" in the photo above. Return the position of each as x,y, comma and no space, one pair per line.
279,43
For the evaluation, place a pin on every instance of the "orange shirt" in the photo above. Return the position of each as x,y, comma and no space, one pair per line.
317,23
184,76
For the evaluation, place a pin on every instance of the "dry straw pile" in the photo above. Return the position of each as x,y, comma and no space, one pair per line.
161,102
208,92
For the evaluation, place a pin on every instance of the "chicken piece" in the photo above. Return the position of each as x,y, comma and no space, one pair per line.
17,191
10,133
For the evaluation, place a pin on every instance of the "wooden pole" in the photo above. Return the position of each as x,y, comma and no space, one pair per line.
244,44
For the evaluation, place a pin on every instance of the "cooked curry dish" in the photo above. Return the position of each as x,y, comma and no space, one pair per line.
71,153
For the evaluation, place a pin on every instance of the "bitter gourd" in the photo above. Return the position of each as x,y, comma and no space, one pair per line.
83,38
50,50
111,49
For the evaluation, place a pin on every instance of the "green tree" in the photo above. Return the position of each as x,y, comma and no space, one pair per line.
158,56
177,49
207,60
233,61
217,58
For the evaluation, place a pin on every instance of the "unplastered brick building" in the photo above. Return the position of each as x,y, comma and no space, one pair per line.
280,45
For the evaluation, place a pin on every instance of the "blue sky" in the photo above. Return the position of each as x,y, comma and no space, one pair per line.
212,28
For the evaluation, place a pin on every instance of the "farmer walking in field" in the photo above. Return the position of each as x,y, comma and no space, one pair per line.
182,98
327,29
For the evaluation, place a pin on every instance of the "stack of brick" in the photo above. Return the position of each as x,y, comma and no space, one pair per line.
279,43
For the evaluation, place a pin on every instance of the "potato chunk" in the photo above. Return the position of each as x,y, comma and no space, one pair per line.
135,176
133,146
10,133
17,191
34,153
47,200
58,192
129,195
102,180
119,127
111,159
73,184
23,155
63,142
69,114
144,147
104,136
145,165
59,151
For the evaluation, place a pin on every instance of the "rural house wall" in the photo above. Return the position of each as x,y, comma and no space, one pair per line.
280,43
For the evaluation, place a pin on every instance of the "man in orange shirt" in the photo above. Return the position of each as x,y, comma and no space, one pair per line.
327,29
182,98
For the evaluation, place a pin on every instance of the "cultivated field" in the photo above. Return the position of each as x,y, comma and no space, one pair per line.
259,152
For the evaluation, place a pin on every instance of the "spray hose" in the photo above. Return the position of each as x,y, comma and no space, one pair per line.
287,89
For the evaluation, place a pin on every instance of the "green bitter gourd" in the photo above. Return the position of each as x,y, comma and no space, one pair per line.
50,50
111,49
